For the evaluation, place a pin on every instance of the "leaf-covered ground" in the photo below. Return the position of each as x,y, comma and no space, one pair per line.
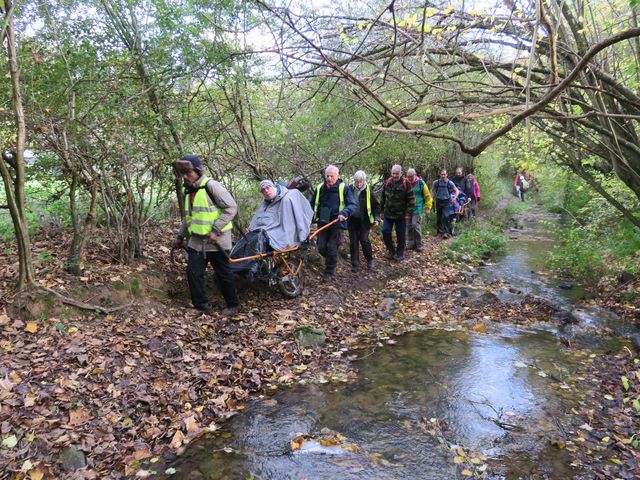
111,393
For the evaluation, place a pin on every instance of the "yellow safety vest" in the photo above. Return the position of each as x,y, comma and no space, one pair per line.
368,190
340,193
203,212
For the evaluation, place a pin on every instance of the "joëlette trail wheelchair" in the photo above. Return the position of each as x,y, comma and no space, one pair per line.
252,258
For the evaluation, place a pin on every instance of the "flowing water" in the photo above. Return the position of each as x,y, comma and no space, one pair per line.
521,267
495,395
488,389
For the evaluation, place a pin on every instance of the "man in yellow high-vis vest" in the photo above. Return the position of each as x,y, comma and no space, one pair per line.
332,200
209,210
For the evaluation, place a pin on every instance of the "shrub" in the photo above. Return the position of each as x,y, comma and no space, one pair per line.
477,242
598,241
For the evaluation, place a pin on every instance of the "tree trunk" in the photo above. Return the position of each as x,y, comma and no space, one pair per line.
81,233
131,37
14,183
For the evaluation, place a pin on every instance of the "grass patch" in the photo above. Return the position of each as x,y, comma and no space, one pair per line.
596,241
589,254
514,208
477,242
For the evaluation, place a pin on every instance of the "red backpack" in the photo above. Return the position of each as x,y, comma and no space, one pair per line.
404,182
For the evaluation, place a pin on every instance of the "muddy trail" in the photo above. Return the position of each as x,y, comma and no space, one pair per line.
124,394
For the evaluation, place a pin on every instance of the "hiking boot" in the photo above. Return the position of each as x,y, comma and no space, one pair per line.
354,268
390,255
420,249
207,309
230,311
399,257
327,277
445,236
369,264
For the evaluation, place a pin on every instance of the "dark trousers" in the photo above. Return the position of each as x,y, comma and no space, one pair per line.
472,207
414,232
442,216
197,264
401,230
359,236
328,244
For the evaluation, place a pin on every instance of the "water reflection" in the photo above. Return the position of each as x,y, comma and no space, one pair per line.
490,391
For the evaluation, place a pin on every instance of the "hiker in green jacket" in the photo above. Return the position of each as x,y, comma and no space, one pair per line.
423,204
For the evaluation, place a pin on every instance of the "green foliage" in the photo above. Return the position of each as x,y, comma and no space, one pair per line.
47,208
487,173
578,257
513,208
597,241
45,257
477,242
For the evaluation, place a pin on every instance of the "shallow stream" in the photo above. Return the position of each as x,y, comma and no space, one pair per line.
490,391
521,267
490,401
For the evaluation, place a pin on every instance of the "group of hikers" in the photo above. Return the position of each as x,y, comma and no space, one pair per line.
284,218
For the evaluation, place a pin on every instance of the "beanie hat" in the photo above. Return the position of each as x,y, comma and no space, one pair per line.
266,183
195,161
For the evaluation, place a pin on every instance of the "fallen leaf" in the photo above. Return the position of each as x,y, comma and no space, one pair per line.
78,416
296,443
139,455
586,427
479,327
177,439
26,466
36,474
191,424
32,327
329,442
10,442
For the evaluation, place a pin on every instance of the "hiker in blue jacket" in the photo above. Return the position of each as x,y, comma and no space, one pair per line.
442,190
332,200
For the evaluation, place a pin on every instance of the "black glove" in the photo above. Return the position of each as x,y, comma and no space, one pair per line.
178,243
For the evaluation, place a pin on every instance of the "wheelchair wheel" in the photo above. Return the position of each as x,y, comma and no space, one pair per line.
291,281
